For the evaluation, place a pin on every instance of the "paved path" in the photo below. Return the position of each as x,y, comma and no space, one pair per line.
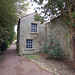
12,64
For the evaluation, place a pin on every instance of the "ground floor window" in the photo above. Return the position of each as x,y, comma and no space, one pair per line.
29,43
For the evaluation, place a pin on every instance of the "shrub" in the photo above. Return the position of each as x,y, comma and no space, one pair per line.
57,51
53,48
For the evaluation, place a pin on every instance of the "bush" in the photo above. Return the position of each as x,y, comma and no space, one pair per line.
57,51
4,46
7,42
53,48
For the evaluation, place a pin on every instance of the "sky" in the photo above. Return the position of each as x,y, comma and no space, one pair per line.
15,29
34,6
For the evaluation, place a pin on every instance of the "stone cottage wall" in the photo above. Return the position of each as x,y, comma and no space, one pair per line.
61,32
25,33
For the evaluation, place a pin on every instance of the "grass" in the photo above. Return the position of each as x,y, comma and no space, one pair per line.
32,56
9,46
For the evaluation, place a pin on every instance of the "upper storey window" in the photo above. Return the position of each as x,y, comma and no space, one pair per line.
33,27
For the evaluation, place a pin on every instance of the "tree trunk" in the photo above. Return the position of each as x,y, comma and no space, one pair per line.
73,43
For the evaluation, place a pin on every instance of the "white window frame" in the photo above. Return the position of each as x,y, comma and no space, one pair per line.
34,27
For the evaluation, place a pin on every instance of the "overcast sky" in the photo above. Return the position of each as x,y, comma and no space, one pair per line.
34,6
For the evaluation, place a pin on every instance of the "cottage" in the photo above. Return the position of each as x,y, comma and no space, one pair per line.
32,34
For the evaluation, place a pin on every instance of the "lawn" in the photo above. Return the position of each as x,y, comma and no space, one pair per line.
32,56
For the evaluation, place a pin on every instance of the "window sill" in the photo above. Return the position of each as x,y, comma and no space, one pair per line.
29,49
34,33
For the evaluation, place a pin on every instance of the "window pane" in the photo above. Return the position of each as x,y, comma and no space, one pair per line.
29,43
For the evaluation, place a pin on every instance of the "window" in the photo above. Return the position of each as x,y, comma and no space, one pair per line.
29,43
33,27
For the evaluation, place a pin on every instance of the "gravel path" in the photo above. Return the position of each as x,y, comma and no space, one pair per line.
12,64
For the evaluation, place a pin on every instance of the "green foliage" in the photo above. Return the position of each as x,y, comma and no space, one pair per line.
66,7
37,17
32,56
52,47
73,15
21,6
8,18
57,51
5,45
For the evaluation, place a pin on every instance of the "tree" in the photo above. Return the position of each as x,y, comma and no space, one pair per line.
21,7
66,8
8,19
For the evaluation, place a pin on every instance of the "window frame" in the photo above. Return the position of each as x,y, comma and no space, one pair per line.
34,27
29,43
